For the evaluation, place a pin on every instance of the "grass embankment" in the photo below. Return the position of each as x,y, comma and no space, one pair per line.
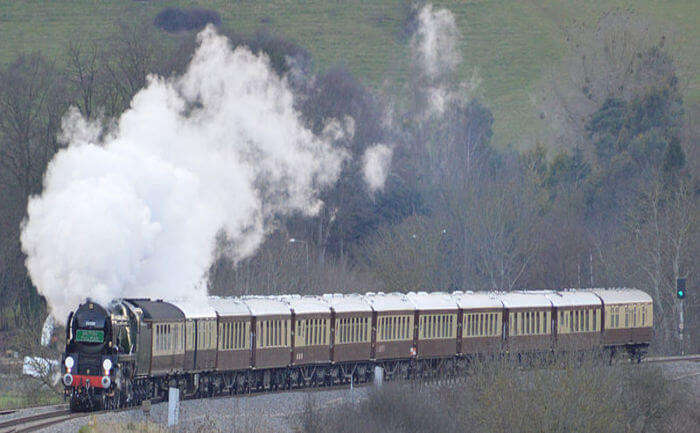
16,399
510,43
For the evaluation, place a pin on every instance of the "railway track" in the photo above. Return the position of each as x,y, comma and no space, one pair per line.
38,421
662,359
60,413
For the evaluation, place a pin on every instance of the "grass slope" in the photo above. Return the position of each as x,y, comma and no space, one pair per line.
510,43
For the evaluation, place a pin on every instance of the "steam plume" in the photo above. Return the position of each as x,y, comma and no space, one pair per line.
136,209
436,58
376,162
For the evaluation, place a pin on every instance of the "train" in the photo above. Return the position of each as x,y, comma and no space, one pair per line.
134,350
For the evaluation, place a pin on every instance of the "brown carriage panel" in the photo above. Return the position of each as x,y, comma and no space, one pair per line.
529,343
642,335
621,336
167,364
273,357
352,352
436,348
481,345
189,360
206,359
393,349
311,355
578,340
233,359
614,336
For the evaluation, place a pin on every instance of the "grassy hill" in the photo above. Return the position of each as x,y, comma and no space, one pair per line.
509,42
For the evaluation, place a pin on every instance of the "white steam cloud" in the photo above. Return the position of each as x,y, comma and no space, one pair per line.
136,210
375,166
437,57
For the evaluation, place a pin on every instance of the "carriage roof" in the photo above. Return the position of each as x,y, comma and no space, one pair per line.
622,295
572,298
307,304
266,305
473,300
432,301
530,299
384,302
229,306
342,303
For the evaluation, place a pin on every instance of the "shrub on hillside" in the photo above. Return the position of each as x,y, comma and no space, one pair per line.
175,19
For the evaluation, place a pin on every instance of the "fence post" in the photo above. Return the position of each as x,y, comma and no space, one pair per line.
378,376
173,406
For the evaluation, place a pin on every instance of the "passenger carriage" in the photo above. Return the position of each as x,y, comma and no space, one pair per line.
234,334
436,316
201,336
352,328
528,322
577,319
272,324
161,338
481,323
311,329
628,316
392,325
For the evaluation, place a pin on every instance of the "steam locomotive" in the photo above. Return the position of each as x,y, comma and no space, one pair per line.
135,349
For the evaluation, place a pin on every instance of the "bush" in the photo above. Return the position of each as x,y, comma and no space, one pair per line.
176,19
572,395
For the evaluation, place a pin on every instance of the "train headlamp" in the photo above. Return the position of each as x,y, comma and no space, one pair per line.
107,365
69,362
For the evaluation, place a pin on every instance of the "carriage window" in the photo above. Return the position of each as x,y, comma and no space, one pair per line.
595,324
368,329
588,320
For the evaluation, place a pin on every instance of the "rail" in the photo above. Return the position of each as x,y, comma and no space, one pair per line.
694,358
37,421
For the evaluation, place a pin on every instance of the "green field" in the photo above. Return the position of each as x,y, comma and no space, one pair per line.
509,42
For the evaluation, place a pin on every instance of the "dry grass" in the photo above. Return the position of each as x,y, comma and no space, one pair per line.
502,397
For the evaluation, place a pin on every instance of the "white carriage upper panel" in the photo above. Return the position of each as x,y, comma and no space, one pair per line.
195,310
229,306
387,302
477,300
573,298
307,304
266,306
348,303
425,301
530,299
622,296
